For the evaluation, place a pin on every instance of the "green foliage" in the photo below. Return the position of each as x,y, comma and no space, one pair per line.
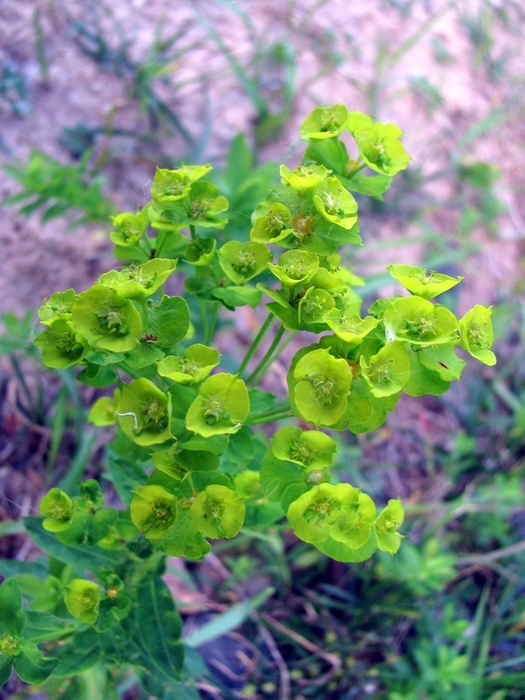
72,191
186,459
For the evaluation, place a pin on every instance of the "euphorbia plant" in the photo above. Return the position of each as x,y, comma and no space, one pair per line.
183,456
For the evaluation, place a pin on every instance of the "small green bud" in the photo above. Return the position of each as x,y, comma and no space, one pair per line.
57,509
82,599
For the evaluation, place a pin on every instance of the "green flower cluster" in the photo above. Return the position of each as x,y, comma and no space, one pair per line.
17,646
189,465
83,520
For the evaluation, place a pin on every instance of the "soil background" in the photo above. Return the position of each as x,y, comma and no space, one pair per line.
435,68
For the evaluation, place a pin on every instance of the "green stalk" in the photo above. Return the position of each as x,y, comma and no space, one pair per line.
270,417
161,239
37,416
267,359
255,343
354,172
204,320
213,320
130,372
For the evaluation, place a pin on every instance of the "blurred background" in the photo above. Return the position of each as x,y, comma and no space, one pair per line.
93,96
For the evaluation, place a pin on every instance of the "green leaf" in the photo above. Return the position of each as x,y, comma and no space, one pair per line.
156,627
277,475
12,567
342,552
32,666
232,297
88,528
97,375
181,399
169,322
239,164
241,449
423,380
6,667
126,476
184,539
143,355
80,557
331,153
12,618
216,444
43,626
227,621
443,360
422,283
131,254
79,655
365,412
260,401
372,186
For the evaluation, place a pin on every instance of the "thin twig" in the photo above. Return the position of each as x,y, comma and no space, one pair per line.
285,692
332,659
492,556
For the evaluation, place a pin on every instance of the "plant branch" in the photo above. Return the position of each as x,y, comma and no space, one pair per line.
255,343
268,357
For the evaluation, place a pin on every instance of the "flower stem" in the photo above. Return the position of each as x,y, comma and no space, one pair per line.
268,357
354,172
212,321
275,414
204,320
255,343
